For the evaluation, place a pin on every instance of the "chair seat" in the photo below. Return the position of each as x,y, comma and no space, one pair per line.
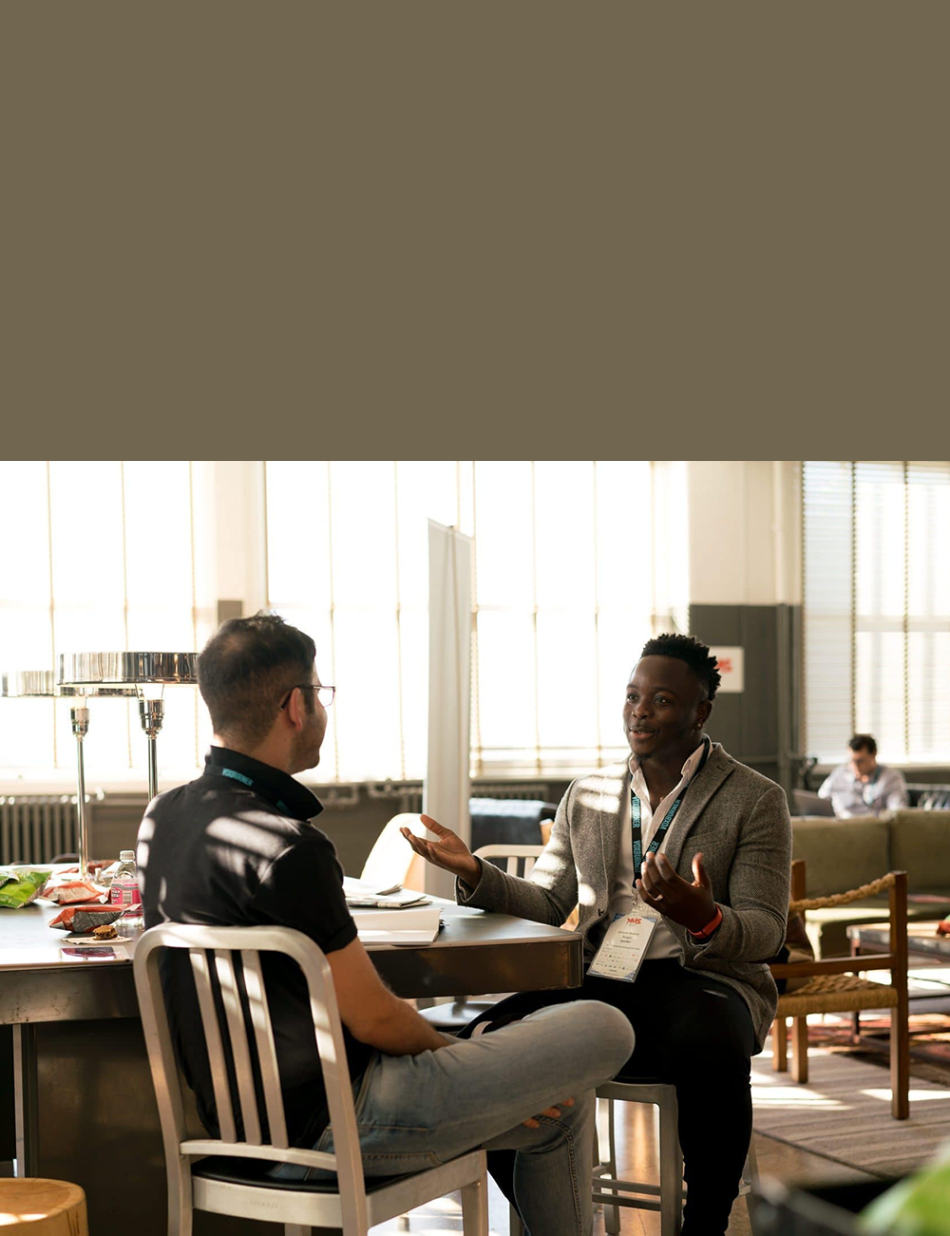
456,1016
836,993
234,1170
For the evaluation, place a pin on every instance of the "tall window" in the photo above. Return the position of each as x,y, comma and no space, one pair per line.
96,556
877,607
563,601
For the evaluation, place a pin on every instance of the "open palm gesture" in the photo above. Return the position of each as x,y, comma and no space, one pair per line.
448,851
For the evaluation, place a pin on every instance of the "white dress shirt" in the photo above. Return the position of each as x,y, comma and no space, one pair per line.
887,791
663,944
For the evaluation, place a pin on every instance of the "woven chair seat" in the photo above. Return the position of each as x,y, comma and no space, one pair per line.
836,993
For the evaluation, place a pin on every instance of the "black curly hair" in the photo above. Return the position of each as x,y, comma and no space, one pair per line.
696,655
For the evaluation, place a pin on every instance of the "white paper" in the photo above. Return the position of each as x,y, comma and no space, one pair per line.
624,946
412,926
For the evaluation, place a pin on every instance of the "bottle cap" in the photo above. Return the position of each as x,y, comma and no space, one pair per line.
126,856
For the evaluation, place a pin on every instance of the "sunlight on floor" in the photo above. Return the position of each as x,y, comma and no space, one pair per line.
916,1096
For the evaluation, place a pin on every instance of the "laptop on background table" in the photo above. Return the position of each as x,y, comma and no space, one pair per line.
807,802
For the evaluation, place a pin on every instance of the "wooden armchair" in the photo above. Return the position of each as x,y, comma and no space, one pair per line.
832,985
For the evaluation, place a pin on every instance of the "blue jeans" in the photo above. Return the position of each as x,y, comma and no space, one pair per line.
414,1112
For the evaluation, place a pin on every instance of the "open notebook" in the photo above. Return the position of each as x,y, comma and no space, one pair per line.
370,896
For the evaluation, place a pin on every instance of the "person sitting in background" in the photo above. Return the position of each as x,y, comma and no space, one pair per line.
863,786
238,848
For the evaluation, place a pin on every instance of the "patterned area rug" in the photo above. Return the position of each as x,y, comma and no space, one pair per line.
844,1112
929,1043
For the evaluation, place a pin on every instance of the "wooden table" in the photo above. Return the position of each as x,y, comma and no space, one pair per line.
85,1109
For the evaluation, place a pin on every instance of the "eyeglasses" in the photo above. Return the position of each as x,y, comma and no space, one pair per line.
324,694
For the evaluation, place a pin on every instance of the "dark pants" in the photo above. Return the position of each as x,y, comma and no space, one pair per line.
694,1033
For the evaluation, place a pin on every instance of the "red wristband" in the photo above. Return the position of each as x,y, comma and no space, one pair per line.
710,926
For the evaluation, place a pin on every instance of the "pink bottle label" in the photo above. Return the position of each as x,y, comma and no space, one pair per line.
125,894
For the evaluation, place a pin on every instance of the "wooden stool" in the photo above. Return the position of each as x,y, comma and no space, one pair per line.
47,1207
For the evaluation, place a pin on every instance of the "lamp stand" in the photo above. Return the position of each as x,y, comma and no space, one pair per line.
151,714
79,719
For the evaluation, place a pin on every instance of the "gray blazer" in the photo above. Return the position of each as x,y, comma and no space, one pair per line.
736,817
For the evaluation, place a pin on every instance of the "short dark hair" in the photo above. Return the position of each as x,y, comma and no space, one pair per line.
863,742
245,668
700,661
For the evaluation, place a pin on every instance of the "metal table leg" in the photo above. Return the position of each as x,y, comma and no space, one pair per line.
26,1107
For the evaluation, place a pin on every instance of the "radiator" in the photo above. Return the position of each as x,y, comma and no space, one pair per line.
37,828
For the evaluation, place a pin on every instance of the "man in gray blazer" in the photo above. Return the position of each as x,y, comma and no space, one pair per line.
685,837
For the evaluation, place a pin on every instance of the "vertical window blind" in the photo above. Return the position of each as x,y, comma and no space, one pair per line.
563,601
96,556
877,607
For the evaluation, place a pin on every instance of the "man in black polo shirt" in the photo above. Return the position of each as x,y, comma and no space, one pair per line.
237,847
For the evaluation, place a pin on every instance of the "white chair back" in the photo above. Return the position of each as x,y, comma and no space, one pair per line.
521,858
213,950
391,861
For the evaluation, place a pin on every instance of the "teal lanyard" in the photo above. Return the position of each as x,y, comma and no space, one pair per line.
638,831
233,775
667,819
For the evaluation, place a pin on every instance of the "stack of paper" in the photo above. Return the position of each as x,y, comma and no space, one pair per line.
360,893
420,926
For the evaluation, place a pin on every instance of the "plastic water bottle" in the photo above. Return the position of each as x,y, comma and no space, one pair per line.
124,891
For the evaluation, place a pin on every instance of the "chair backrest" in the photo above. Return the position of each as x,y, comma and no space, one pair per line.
213,951
797,888
391,861
518,856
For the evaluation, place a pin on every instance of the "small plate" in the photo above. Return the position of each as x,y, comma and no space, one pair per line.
113,940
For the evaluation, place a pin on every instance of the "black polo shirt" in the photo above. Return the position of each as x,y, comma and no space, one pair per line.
236,848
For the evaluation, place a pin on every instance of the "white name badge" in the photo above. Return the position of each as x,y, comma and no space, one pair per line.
624,946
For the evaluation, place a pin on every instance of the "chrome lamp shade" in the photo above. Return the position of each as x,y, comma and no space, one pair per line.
140,671
133,668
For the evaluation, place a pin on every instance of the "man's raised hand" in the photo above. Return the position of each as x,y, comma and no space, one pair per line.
449,851
690,904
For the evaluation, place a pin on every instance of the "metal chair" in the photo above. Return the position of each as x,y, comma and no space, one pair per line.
520,860
667,1196
225,1175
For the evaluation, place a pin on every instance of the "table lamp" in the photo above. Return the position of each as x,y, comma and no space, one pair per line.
42,684
146,673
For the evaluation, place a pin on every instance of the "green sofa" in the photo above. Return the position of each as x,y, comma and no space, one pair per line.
844,854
